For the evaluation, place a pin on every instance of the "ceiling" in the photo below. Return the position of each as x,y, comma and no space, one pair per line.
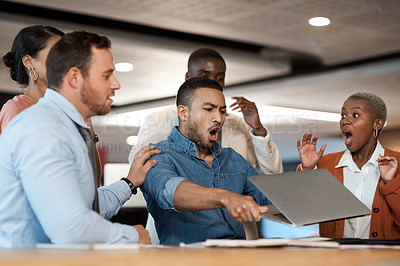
274,57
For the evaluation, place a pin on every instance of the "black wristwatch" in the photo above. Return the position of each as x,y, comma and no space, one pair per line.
131,185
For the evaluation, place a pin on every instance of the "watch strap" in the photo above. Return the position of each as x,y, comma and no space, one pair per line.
131,185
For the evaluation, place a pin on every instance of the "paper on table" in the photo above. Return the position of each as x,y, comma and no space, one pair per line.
369,246
272,242
89,246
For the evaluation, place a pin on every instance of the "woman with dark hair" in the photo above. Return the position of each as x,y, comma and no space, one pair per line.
27,63
366,168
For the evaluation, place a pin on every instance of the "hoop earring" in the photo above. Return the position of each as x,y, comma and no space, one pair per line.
33,74
375,132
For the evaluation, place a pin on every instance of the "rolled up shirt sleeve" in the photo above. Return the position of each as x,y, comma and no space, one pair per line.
112,197
161,182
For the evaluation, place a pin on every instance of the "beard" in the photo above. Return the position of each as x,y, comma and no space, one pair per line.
92,101
198,138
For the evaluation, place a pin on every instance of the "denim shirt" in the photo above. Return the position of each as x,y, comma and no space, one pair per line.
177,162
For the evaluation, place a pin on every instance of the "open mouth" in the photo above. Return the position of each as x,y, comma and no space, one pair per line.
214,133
348,137
111,98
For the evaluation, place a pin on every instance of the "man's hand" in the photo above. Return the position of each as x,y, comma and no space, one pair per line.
243,208
144,237
307,151
250,115
140,168
190,197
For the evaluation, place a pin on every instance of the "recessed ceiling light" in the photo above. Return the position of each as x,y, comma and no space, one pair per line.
123,67
319,21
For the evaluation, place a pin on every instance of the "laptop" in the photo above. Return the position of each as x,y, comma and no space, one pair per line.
307,197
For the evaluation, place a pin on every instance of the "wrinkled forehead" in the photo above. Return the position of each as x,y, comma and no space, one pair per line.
210,95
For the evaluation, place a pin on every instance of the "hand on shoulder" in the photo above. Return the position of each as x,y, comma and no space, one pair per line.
140,168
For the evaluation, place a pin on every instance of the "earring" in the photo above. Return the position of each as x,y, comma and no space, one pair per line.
375,132
33,74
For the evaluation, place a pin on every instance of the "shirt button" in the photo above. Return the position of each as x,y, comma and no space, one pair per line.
376,210
374,234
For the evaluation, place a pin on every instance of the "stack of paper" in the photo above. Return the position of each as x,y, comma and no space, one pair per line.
272,242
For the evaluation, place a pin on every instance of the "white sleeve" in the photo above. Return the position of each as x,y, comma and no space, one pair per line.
269,159
155,128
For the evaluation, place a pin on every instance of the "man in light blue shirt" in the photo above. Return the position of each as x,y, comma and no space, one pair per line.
199,190
47,186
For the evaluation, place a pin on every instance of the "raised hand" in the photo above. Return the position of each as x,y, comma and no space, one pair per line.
250,115
308,152
388,166
140,168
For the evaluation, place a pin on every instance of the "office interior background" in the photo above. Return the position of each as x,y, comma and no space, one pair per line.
298,75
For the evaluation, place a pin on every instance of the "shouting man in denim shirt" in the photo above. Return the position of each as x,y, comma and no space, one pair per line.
199,190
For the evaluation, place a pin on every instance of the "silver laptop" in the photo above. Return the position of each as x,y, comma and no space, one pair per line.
307,197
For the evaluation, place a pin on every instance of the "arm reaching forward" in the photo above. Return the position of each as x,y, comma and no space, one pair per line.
190,196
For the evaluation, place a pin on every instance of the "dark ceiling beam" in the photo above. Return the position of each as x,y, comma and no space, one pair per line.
322,69
298,73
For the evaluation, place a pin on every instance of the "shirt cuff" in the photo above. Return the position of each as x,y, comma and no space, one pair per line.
267,136
300,168
169,192
263,142
129,234
121,189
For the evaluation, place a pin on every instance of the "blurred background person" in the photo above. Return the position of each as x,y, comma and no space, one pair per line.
27,64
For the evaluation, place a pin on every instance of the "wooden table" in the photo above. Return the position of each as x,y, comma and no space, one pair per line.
202,256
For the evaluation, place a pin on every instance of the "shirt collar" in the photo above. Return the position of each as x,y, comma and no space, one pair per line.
188,146
347,159
66,106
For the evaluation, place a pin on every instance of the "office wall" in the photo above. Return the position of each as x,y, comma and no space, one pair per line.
391,139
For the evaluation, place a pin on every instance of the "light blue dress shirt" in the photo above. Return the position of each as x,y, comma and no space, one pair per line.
46,182
177,162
